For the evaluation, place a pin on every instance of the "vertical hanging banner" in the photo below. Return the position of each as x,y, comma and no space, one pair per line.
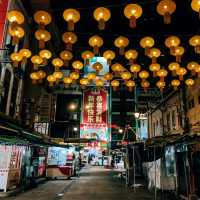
95,116
3,12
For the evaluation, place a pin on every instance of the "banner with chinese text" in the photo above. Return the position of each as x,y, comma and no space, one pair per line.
95,116
3,11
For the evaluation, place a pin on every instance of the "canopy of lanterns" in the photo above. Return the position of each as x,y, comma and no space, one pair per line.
130,75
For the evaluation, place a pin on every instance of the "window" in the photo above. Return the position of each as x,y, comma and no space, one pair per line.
173,119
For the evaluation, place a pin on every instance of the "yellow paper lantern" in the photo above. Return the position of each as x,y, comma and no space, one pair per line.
96,42
67,81
99,82
147,43
69,38
87,55
135,68
36,60
16,33
74,76
126,75
189,82
58,75
181,72
42,18
45,55
109,55
91,76
117,68
121,42
161,85
57,63
145,84
108,76
84,82
115,84
34,77
195,42
102,15
178,53
144,75
97,66
16,58
42,36
131,55
15,17
71,16
175,83
77,65
130,84
173,67
66,56
166,8
192,66
195,4
162,73
25,53
154,53
133,12
51,79
154,67
172,42
41,74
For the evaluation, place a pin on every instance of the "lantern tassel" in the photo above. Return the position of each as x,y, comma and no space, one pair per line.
135,74
131,61
181,77
132,23
147,51
45,62
41,44
35,66
178,59
121,51
130,89
96,50
197,49
101,24
109,62
24,61
15,40
172,50
42,26
34,81
193,73
69,46
154,73
174,73
70,25
66,63
15,64
167,18
154,60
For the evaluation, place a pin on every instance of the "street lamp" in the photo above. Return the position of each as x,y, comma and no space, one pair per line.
120,130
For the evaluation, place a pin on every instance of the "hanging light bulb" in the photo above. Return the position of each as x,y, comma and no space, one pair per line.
69,38
42,18
102,15
66,56
72,16
121,42
147,43
131,55
166,8
133,12
96,42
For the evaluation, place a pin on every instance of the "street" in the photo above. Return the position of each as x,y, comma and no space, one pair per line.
94,183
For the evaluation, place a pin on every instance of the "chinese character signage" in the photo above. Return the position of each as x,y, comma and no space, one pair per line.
3,11
95,116
95,107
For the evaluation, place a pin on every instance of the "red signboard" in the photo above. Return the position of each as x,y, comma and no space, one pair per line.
95,107
3,11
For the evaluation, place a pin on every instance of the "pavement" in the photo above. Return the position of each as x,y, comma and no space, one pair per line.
94,183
